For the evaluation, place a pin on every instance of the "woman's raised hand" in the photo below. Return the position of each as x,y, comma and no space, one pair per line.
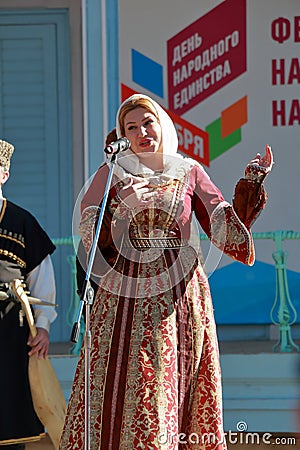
265,161
260,166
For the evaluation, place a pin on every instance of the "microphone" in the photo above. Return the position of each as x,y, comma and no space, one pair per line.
118,146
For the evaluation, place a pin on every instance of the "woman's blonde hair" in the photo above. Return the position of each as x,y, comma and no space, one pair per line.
132,104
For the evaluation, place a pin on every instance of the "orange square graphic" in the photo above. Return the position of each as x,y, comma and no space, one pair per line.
233,117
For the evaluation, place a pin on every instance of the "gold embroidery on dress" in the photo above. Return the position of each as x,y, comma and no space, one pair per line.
172,193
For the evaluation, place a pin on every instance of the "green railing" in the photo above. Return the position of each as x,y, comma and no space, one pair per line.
283,313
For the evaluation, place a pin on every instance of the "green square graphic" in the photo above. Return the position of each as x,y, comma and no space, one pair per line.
217,145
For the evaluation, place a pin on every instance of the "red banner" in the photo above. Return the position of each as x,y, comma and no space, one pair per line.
207,55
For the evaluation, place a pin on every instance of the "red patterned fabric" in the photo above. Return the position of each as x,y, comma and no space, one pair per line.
155,372
249,199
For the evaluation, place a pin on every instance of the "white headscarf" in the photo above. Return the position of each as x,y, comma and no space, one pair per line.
174,164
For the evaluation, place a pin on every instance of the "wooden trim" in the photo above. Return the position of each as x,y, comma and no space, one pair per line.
74,7
77,97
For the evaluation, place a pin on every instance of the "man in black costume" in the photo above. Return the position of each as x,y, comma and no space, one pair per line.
25,251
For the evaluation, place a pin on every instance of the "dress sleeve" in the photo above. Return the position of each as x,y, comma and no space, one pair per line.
87,228
249,199
90,210
95,192
220,221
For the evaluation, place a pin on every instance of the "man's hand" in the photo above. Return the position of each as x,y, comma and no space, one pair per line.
39,344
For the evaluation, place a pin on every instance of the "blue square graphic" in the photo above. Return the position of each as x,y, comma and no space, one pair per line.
147,73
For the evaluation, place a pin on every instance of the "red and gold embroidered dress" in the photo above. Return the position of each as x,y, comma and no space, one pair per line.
155,375
155,372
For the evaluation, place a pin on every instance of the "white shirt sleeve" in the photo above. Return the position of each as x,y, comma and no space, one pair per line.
41,284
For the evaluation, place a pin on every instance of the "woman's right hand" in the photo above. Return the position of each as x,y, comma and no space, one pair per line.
136,193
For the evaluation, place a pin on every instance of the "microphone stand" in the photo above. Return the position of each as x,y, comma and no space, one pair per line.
86,299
